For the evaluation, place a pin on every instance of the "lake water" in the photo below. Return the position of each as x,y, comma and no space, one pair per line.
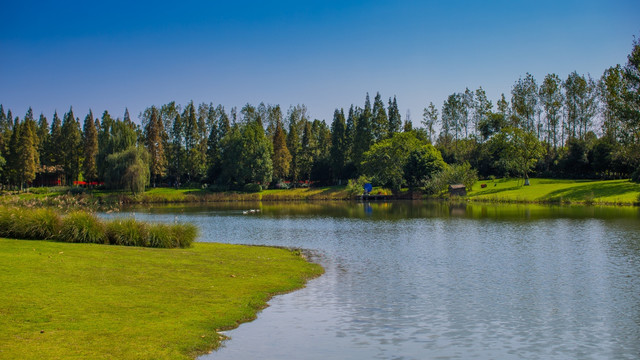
415,280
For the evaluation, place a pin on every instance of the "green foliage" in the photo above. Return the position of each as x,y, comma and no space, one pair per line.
84,227
518,150
128,170
356,186
38,224
385,161
635,177
422,164
127,232
454,174
71,146
252,188
90,147
246,155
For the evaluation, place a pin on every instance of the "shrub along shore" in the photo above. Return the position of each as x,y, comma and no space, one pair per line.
84,227
90,301
552,191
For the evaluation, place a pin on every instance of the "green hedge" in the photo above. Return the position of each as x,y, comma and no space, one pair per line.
84,227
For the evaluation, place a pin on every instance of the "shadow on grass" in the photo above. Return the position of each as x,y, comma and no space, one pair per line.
594,191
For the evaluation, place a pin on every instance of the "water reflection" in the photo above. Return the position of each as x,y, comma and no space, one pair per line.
414,280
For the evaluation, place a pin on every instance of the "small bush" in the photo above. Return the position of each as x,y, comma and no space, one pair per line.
184,234
218,188
252,188
356,186
127,232
82,227
44,224
281,185
160,236
77,190
635,177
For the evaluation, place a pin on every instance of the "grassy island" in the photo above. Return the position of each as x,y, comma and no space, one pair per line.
90,301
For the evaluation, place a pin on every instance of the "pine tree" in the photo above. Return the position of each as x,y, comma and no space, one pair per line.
293,144
306,152
350,133
90,147
338,144
12,159
380,122
191,137
176,165
364,136
43,139
155,146
395,121
27,155
53,148
213,151
281,155
71,146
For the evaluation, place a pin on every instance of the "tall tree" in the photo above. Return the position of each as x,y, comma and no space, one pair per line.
430,119
177,153
155,146
481,108
90,146
581,103
611,88
27,155
306,152
395,120
466,111
53,149
364,137
551,99
281,155
297,117
380,122
43,138
71,146
524,99
338,144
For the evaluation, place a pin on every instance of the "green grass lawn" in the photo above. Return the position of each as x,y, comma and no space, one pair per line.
621,192
87,301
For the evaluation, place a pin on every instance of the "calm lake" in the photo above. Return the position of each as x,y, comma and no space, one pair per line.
428,280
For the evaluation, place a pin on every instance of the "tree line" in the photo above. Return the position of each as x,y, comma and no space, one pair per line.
578,127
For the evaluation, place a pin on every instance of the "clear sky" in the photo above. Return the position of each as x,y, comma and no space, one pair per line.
325,54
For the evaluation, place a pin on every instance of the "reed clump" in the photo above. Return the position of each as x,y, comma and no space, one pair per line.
85,227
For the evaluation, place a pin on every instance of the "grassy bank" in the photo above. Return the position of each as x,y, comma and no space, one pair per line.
106,199
87,301
610,192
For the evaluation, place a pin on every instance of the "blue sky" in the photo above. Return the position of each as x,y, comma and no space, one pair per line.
324,54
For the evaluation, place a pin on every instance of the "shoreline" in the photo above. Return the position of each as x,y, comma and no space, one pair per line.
541,191
213,287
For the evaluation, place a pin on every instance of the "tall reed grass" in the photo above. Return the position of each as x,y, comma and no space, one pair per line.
84,227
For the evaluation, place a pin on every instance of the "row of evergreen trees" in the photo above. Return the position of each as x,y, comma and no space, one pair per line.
552,126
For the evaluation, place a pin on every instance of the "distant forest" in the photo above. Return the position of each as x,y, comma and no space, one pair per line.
578,127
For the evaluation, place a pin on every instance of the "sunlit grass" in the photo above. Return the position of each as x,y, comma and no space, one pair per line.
621,192
88,301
